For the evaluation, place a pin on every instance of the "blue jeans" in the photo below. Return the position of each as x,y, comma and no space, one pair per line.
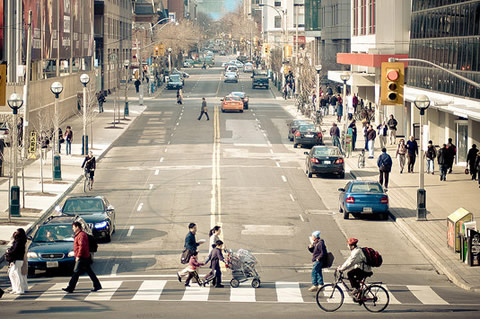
317,276
336,142
430,165
68,147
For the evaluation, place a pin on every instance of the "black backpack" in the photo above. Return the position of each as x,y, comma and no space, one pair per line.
374,259
92,244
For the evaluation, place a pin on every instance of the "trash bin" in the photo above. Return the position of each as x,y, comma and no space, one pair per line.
454,227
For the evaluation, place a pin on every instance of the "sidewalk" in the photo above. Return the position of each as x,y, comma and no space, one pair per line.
37,204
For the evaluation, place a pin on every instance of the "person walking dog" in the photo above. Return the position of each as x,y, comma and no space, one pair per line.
204,109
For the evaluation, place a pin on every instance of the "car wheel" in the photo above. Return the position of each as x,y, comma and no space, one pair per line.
223,111
340,209
345,215
385,216
309,174
341,175
241,111
295,145
108,238
31,272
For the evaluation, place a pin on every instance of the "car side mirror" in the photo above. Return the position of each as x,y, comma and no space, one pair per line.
110,208
306,153
341,190
221,99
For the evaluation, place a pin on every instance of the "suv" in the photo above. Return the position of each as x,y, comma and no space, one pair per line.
174,82
52,245
259,79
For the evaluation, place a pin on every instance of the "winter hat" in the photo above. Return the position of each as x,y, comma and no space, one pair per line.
316,234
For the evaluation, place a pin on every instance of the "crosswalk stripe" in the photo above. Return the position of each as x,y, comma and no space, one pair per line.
288,291
54,293
242,294
195,293
150,290
393,300
426,295
106,293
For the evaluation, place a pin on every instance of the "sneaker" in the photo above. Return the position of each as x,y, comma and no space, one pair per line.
187,285
96,289
179,278
219,286
67,290
313,288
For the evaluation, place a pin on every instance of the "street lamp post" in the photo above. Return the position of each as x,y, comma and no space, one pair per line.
56,89
126,64
344,77
15,102
422,103
318,68
84,78
169,61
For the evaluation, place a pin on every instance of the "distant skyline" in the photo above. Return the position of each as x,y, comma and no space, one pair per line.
217,8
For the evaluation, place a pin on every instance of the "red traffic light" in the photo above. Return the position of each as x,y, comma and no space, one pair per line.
393,75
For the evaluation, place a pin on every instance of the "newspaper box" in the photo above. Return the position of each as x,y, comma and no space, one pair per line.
454,227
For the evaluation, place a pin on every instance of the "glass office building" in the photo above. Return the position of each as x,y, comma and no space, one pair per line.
447,33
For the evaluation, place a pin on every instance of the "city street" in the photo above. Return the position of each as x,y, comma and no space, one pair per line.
239,171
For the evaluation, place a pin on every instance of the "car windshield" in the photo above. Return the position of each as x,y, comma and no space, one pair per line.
83,206
366,188
239,94
232,98
54,233
326,151
175,77
304,128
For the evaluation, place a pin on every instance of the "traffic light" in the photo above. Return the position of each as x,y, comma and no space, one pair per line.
266,49
156,53
393,74
161,49
3,84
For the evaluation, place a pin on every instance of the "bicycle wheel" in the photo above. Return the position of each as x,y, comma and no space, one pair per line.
330,298
375,298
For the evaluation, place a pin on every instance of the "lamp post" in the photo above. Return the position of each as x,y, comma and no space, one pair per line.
344,77
126,64
56,89
318,68
422,102
84,78
169,61
15,102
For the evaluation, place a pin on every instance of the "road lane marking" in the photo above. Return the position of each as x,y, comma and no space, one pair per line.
284,178
271,151
277,163
196,293
301,217
162,159
242,294
140,207
150,290
426,295
292,198
151,186
171,134
393,300
114,270
169,142
157,171
108,289
54,293
288,291
166,150
130,230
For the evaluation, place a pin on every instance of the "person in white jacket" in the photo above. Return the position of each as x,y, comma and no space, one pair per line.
356,264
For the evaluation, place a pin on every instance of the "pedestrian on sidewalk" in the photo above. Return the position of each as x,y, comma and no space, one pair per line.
353,126
179,96
214,235
68,136
101,100
89,164
190,244
451,153
285,91
471,159
384,163
366,125
371,135
319,254
412,151
401,152
61,140
335,134
16,257
333,104
44,142
339,109
137,85
442,162
354,103
204,109
214,258
83,259
477,166
392,126
382,134
430,155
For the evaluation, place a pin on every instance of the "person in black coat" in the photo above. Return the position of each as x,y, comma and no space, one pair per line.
471,161
215,257
477,166
442,158
16,258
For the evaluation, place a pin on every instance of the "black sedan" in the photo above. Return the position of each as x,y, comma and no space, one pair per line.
293,126
244,98
324,160
96,211
307,135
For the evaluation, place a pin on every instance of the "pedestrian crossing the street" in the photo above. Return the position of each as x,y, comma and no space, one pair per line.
171,290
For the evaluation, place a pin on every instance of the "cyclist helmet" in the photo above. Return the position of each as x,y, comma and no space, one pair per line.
352,241
316,234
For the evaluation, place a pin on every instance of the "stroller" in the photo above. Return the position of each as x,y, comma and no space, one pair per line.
242,263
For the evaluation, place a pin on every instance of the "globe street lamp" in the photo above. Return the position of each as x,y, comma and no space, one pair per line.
56,89
126,64
422,102
345,76
84,78
15,102
318,68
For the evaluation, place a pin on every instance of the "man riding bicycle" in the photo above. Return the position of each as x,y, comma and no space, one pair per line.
89,165
356,263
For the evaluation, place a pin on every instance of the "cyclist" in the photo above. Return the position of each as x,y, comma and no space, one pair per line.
356,264
90,165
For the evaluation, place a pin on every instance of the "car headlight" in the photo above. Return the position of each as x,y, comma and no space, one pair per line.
32,254
101,225
71,254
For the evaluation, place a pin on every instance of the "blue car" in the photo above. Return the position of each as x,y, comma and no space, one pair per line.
363,197
51,249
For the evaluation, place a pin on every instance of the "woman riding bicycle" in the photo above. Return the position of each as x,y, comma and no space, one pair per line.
90,165
356,264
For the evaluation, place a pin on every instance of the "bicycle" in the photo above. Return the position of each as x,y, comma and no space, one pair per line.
361,159
372,296
87,182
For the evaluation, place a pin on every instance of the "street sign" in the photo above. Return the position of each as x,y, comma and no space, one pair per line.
32,147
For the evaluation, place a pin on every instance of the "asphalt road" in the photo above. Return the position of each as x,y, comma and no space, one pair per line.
237,170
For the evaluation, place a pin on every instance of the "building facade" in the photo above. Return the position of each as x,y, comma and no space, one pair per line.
446,33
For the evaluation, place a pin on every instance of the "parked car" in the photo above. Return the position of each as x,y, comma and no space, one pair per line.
96,211
248,67
293,126
239,64
230,77
4,133
260,79
363,197
324,160
188,63
307,135
232,103
231,68
174,82
242,58
52,245
183,75
244,98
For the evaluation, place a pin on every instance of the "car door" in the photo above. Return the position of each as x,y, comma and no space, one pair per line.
343,194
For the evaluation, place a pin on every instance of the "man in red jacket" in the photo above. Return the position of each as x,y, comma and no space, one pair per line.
82,259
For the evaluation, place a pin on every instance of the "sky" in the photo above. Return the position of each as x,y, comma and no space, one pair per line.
217,8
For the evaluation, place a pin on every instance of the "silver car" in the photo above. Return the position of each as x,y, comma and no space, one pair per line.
230,77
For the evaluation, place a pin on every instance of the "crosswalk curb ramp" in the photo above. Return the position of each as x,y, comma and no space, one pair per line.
172,290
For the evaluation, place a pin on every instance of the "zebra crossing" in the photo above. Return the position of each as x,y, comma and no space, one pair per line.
171,290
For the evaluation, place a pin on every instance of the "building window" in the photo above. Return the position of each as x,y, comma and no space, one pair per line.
278,3
363,15
355,17
278,22
372,16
